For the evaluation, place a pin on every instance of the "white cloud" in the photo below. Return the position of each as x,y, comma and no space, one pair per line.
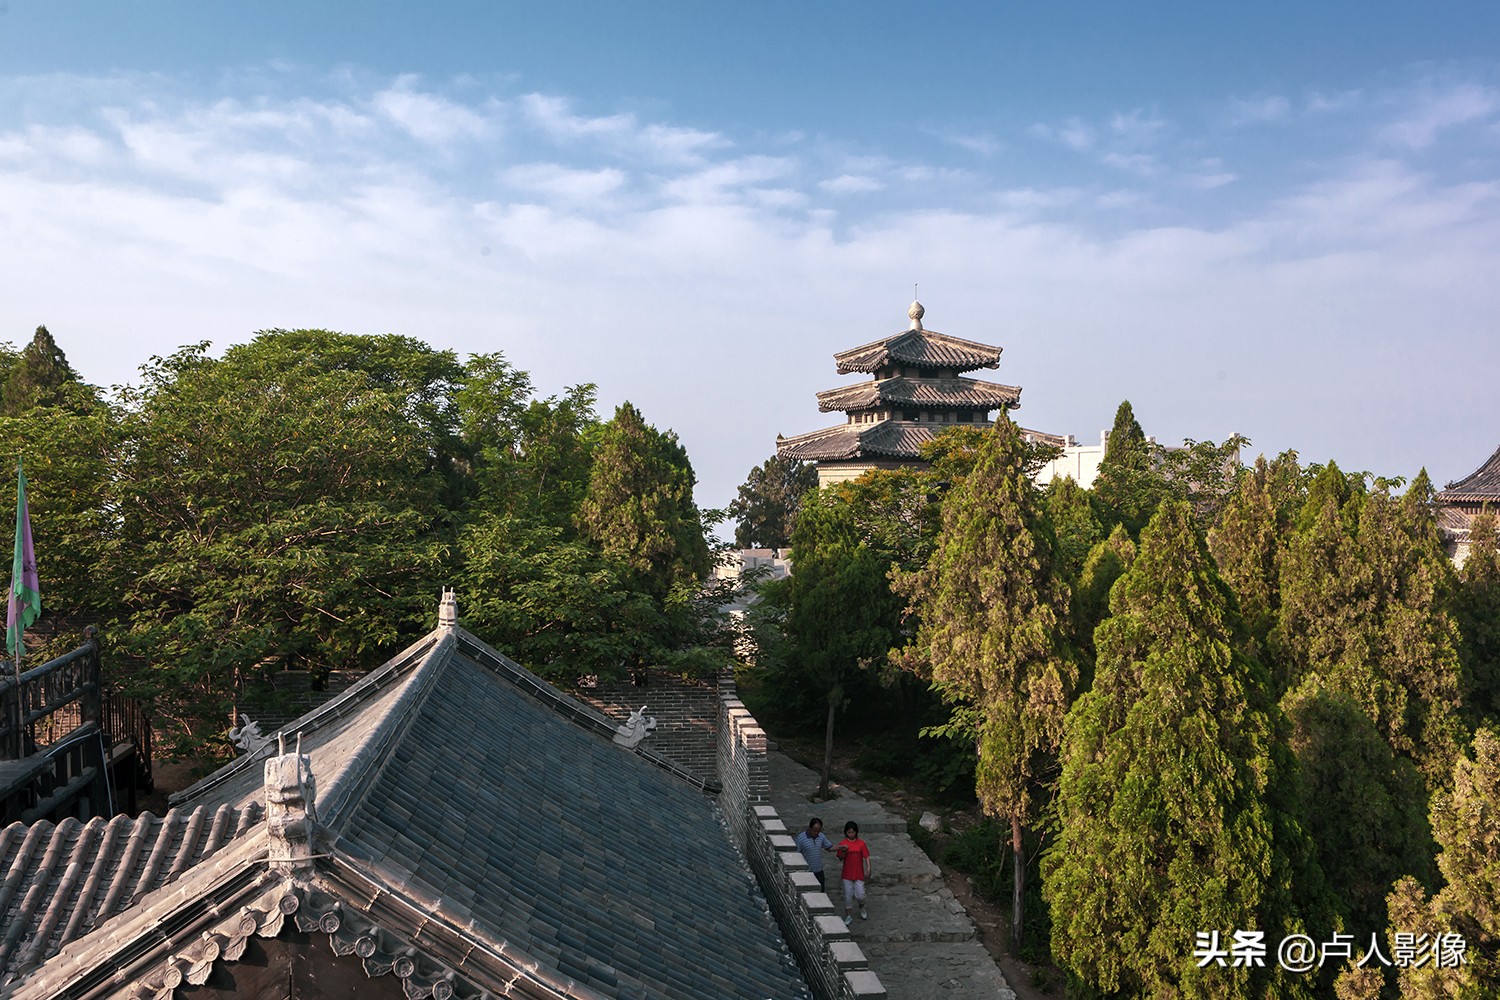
179,219
1072,133
851,184
565,183
429,118
1437,109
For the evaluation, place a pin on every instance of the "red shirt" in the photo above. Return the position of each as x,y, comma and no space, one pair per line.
855,852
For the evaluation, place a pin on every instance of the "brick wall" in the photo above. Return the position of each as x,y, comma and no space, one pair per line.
686,714
833,963
289,695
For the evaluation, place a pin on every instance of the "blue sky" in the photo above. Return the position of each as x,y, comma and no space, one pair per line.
1281,220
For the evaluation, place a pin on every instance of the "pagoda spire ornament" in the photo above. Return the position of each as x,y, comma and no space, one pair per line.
916,312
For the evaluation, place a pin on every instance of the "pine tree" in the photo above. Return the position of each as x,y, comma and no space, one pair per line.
1478,613
1466,822
1173,792
993,618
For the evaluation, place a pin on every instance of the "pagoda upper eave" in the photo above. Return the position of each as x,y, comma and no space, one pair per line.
945,393
846,442
923,349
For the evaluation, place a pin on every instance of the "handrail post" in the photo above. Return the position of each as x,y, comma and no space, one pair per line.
93,688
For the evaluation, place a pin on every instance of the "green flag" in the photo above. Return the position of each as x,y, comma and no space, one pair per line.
25,591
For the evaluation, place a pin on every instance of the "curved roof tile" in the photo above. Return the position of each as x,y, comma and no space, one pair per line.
921,348
956,393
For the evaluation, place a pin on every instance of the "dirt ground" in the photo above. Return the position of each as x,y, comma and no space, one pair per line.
992,920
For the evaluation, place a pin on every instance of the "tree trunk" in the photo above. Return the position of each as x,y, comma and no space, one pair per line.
833,704
1018,890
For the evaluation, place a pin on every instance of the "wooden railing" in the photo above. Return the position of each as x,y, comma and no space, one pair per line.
55,716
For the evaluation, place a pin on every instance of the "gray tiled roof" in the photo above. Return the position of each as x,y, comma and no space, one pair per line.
885,439
1480,486
62,880
947,393
456,776
920,348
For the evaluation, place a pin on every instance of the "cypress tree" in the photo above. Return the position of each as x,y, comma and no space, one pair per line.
1247,541
1107,562
994,617
1173,789
1365,592
1478,612
1070,511
41,376
1466,823
1129,485
1365,808
639,507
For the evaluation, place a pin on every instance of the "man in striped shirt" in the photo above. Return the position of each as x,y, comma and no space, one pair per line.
812,844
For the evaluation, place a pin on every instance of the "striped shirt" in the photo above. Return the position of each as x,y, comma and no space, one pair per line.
812,849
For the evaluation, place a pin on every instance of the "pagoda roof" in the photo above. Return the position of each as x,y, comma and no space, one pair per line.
948,393
1480,486
896,439
921,348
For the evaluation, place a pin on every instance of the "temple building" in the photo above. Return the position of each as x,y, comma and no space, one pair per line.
450,827
917,391
1462,501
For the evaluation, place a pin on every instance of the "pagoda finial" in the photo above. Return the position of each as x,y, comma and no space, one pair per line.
916,312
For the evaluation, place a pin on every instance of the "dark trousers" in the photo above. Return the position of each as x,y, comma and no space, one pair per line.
819,876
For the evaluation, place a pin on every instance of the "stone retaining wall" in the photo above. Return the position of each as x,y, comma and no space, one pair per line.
833,963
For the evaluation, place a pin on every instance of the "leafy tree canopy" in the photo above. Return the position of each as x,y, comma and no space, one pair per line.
768,501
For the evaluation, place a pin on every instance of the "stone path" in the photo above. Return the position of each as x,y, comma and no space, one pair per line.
918,940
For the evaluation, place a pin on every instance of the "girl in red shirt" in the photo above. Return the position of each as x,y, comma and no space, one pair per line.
855,854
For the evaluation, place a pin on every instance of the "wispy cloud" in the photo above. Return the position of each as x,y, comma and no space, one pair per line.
851,184
1435,109
1261,110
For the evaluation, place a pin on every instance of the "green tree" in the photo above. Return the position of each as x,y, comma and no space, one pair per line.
1365,592
1070,510
1173,793
41,376
1107,561
840,614
529,457
1466,822
1365,808
993,616
639,506
1247,541
768,501
1129,485
273,511
1478,613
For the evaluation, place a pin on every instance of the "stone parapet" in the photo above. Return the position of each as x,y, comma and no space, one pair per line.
835,966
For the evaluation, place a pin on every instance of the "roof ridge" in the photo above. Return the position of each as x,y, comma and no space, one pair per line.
339,799
310,722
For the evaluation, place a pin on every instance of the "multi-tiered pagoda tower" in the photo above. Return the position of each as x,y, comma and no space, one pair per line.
917,392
